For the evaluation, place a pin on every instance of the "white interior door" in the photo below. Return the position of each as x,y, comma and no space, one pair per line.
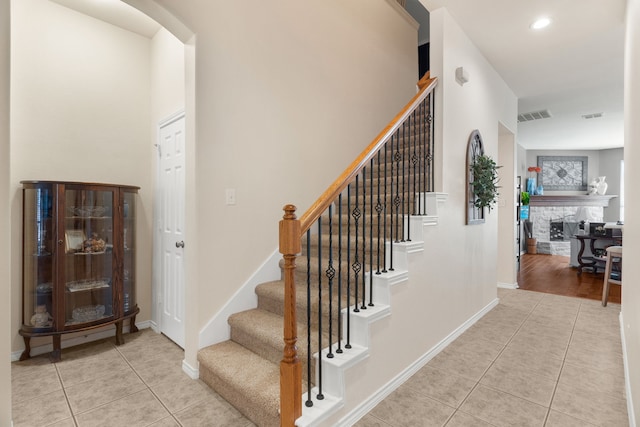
171,226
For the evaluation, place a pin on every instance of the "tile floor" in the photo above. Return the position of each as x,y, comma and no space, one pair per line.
138,384
535,360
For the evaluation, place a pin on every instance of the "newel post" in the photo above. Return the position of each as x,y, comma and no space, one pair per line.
290,367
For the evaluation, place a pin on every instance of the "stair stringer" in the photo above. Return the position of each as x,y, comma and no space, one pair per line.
334,369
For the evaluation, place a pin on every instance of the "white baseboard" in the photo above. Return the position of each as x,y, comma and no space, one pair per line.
364,408
84,338
627,380
194,373
508,285
245,298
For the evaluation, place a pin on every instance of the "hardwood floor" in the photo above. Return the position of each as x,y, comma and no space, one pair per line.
552,274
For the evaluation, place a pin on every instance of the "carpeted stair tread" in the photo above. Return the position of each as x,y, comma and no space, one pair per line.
261,332
247,381
271,298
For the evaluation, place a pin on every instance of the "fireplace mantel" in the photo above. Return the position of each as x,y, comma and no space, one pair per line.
578,200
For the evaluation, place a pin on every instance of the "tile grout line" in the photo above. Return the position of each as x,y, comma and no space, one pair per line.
66,397
489,367
564,359
149,388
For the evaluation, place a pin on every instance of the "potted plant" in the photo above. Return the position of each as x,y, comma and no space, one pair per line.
485,181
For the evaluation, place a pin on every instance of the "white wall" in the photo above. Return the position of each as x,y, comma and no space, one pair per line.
167,77
483,103
630,265
288,93
507,271
455,277
6,326
80,110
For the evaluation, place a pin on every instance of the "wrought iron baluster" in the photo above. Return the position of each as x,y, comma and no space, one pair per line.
379,211
370,237
404,177
348,343
384,227
415,159
423,166
339,312
356,266
309,402
331,273
417,207
396,200
319,396
430,142
364,237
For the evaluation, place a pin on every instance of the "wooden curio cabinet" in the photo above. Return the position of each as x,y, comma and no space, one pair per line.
78,270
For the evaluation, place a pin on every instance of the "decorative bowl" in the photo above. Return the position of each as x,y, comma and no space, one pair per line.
87,211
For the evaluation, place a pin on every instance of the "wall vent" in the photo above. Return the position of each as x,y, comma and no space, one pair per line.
592,116
534,115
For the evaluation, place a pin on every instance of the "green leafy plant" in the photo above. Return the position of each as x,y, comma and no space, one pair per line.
524,198
485,181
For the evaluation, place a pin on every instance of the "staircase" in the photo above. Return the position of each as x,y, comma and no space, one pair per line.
346,259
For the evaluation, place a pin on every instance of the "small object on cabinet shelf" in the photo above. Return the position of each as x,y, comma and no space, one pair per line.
87,211
93,244
41,318
83,285
44,288
74,240
88,313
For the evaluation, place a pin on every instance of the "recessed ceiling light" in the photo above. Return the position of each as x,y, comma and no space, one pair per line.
541,23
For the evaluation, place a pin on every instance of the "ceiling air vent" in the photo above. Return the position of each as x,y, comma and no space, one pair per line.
592,116
534,115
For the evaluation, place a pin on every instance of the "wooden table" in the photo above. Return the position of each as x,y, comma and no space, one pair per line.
594,262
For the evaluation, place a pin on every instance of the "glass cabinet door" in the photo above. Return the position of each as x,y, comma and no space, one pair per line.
129,236
89,257
38,266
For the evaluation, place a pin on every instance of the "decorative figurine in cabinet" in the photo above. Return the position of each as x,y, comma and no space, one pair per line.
78,269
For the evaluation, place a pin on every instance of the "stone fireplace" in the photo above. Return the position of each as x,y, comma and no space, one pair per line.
556,219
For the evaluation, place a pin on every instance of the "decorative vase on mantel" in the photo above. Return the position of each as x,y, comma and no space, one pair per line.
531,186
602,185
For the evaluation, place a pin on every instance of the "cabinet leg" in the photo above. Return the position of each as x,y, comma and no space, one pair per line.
56,354
132,324
27,349
119,339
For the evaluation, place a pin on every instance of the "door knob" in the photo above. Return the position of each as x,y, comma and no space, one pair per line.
180,244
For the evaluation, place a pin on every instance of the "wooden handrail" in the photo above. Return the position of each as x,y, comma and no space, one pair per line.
291,231
426,85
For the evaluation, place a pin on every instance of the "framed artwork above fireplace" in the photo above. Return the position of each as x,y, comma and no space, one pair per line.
563,173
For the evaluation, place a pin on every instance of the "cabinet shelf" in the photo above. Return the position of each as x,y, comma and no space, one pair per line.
78,290
87,217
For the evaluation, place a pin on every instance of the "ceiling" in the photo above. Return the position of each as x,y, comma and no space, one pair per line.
572,68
